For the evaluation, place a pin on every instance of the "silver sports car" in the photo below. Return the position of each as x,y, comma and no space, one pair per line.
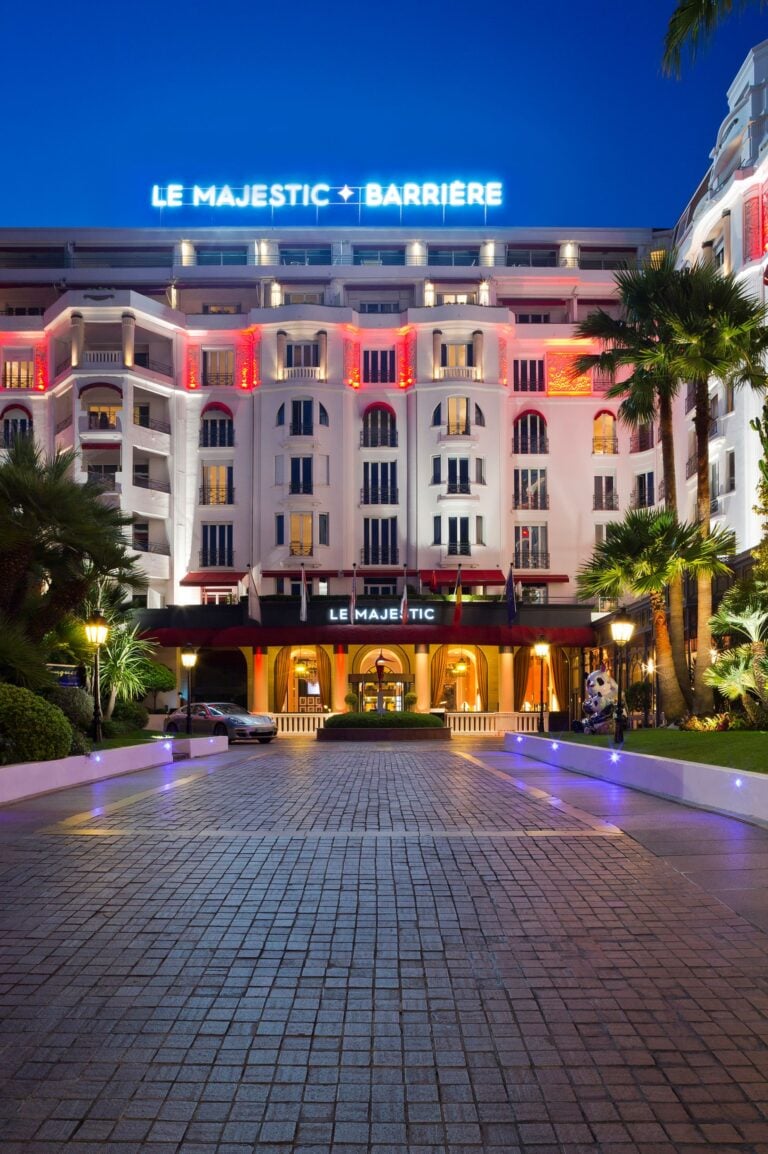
222,717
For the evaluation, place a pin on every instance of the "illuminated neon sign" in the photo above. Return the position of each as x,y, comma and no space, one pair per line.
411,194
388,613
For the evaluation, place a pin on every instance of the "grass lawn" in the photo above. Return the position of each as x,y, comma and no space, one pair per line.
136,737
738,749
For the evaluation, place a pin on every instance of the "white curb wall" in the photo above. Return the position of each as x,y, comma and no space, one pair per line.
738,793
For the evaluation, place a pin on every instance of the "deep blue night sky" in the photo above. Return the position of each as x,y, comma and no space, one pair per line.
563,101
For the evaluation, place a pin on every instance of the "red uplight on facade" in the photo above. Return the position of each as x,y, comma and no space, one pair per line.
41,369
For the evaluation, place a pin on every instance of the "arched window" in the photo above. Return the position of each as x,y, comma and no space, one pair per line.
17,424
322,415
479,417
217,429
530,434
604,438
379,427
280,415
437,415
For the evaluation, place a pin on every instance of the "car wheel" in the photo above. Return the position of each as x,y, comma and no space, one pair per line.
172,728
219,731
265,740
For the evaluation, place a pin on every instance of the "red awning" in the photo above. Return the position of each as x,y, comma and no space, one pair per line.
468,577
213,577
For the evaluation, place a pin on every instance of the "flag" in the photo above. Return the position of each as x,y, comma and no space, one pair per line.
457,598
353,598
303,608
404,598
433,582
254,603
511,597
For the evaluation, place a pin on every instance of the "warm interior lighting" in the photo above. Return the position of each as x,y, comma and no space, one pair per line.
541,648
622,629
96,629
189,658
461,666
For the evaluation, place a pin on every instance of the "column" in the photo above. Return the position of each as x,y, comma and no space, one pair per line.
506,690
339,685
78,339
259,680
129,339
247,653
322,340
437,340
282,341
421,688
477,354
708,252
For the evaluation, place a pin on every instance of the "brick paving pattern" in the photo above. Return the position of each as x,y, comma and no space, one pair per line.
371,951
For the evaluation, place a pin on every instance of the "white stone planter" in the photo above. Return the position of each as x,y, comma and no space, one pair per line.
738,793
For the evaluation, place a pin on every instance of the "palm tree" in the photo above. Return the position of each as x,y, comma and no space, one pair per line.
124,664
59,537
750,620
638,342
713,328
691,22
733,675
640,555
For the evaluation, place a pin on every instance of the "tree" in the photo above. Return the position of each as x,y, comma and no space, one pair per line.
714,328
694,21
733,676
638,342
124,664
641,555
760,554
157,678
59,537
749,619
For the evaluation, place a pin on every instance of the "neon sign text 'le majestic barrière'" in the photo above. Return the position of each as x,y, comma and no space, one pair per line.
411,194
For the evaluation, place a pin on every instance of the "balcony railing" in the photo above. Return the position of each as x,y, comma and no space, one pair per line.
213,437
106,480
690,467
102,422
459,549
454,487
378,439
300,487
141,481
380,556
524,446
641,499
605,446
216,558
217,495
301,429
458,373
300,549
531,559
151,547
715,428
19,375
64,423
714,505
383,495
144,361
153,423
308,372
605,501
7,440
641,440
530,501
102,358
222,380
458,429
601,382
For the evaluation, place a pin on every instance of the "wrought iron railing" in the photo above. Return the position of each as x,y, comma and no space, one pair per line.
380,556
531,559
602,446
378,439
217,495
381,495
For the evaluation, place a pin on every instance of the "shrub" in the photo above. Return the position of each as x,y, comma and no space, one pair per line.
81,743
31,729
126,717
639,696
351,699
410,700
76,704
157,678
384,721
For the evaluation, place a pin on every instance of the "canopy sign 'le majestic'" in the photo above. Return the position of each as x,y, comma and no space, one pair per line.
411,194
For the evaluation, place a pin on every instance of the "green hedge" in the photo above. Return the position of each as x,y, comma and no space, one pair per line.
31,729
76,704
384,721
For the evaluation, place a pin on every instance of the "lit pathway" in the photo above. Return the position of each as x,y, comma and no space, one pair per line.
294,948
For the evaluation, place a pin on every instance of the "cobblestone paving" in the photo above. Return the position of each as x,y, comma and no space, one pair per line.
367,952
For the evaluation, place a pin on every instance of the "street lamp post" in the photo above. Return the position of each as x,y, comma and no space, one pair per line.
189,661
380,665
622,629
541,649
96,630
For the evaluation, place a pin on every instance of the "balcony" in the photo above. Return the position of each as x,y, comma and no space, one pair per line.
641,440
152,423
690,467
142,481
605,502
385,556
217,495
525,446
212,436
300,487
459,549
378,439
531,559
216,558
456,487
303,372
301,429
605,446
8,440
714,506
458,429
19,375
602,382
715,428
107,481
530,501
385,495
641,499
218,380
300,549
111,360
63,424
458,373
141,545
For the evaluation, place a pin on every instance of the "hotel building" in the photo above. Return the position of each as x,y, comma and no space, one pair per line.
374,407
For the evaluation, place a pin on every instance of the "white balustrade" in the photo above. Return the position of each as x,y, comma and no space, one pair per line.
492,723
312,374
299,724
97,358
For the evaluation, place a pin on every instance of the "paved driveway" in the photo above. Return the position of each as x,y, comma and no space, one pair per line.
379,950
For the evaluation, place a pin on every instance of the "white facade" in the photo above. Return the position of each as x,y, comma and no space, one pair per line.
397,397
